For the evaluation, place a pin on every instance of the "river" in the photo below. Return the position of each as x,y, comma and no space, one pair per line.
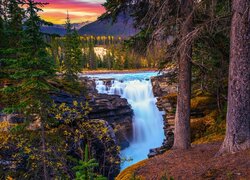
147,120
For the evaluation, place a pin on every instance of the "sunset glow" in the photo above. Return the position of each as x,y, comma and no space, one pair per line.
79,10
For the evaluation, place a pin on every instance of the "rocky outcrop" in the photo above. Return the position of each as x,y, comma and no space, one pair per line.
117,115
165,91
111,108
11,118
162,85
117,112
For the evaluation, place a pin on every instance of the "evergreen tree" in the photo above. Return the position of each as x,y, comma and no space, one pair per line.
14,22
84,59
126,60
1,25
73,53
238,117
32,69
11,16
92,57
182,138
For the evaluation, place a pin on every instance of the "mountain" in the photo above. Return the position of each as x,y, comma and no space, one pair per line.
55,29
60,28
80,25
123,27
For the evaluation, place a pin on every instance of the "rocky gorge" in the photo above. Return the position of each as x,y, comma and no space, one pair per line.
111,111
115,113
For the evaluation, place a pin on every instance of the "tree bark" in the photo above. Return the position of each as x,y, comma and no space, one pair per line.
238,110
182,120
43,117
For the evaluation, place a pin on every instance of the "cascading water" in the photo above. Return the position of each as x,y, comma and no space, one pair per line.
147,121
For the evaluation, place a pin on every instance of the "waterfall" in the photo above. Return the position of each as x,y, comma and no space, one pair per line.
147,121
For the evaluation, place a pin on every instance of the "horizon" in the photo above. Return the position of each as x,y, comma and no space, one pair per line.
79,10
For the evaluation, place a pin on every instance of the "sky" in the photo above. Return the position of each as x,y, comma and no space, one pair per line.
79,10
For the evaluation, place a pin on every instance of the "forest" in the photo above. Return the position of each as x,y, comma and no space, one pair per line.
183,110
113,54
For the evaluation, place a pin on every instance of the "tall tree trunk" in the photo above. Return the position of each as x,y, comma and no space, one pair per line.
182,120
45,172
43,117
238,111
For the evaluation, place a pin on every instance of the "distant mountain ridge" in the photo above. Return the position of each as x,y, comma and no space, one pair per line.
60,28
123,26
55,29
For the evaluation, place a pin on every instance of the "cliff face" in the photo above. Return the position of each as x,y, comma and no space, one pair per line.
166,101
113,109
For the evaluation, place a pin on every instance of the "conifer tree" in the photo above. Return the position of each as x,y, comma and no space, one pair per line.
11,16
14,22
1,24
92,57
73,53
32,69
238,118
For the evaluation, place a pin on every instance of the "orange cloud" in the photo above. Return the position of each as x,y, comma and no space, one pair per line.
79,11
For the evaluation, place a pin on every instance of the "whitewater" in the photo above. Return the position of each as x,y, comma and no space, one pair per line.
148,130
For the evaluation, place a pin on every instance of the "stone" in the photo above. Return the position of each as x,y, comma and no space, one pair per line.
111,108
11,118
161,88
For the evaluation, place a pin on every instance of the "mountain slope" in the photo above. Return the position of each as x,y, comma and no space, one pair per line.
60,29
55,29
123,27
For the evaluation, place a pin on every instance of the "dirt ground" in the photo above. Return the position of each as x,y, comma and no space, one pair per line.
199,162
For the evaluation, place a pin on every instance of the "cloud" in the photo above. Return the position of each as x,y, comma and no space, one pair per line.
79,10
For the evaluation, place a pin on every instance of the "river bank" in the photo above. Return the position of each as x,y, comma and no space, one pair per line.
129,71
199,162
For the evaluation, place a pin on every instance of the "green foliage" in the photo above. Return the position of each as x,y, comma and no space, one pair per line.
11,16
138,41
68,131
72,45
85,169
99,52
30,63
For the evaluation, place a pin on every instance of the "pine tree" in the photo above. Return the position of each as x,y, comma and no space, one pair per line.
32,69
182,120
1,25
85,169
73,53
11,16
14,22
92,57
238,117
126,60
